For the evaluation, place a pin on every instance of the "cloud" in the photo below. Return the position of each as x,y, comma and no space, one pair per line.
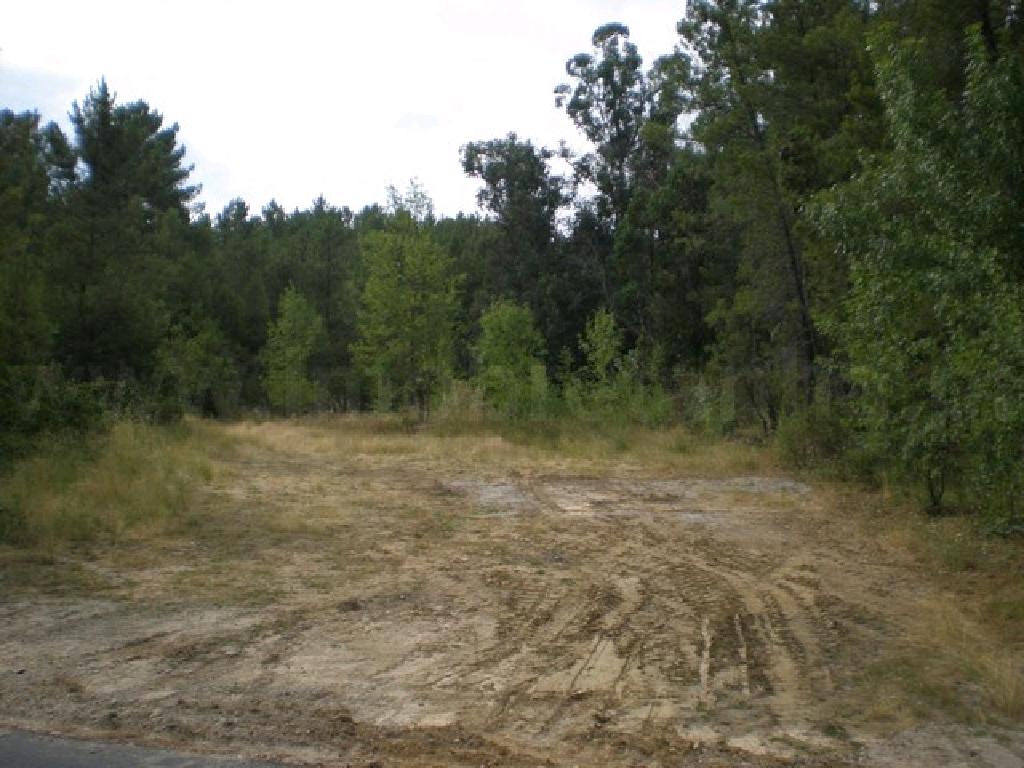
295,100
419,122
25,89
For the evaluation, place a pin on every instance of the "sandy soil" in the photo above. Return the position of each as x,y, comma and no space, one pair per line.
384,604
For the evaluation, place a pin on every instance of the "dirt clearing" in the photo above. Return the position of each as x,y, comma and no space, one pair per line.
360,599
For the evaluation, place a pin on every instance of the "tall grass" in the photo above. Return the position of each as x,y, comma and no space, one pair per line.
622,404
962,651
136,478
565,435
978,672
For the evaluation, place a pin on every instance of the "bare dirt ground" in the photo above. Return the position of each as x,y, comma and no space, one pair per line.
410,601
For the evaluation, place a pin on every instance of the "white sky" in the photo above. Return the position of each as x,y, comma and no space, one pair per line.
292,100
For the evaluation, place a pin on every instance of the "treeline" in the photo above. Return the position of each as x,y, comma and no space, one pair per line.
805,219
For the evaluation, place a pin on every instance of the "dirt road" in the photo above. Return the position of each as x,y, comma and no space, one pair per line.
399,601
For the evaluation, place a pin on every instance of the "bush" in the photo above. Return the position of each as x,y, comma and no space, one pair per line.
198,371
612,387
462,409
813,436
711,407
35,400
511,376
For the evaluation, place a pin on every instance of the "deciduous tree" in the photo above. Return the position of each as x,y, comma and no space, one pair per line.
407,317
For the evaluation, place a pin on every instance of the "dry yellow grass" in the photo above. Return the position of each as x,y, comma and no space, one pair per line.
136,480
550,444
962,651
950,649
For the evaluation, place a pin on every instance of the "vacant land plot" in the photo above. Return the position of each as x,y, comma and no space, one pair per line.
357,598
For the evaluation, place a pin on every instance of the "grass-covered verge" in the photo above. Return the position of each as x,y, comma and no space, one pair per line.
132,480
668,448
979,621
961,648
620,419
965,647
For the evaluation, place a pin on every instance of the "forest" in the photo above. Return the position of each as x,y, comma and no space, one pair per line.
802,225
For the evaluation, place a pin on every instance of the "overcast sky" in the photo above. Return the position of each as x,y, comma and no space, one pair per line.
290,100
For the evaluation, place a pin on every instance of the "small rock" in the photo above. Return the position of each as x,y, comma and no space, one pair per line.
21,671
231,651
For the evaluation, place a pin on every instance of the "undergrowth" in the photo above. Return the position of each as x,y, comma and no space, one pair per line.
665,448
135,479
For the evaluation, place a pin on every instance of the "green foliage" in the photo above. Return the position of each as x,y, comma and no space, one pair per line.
814,436
784,98
707,405
200,366
518,187
292,340
608,101
510,373
612,387
25,329
524,196
407,319
626,237
933,327
36,400
754,352
602,346
111,305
